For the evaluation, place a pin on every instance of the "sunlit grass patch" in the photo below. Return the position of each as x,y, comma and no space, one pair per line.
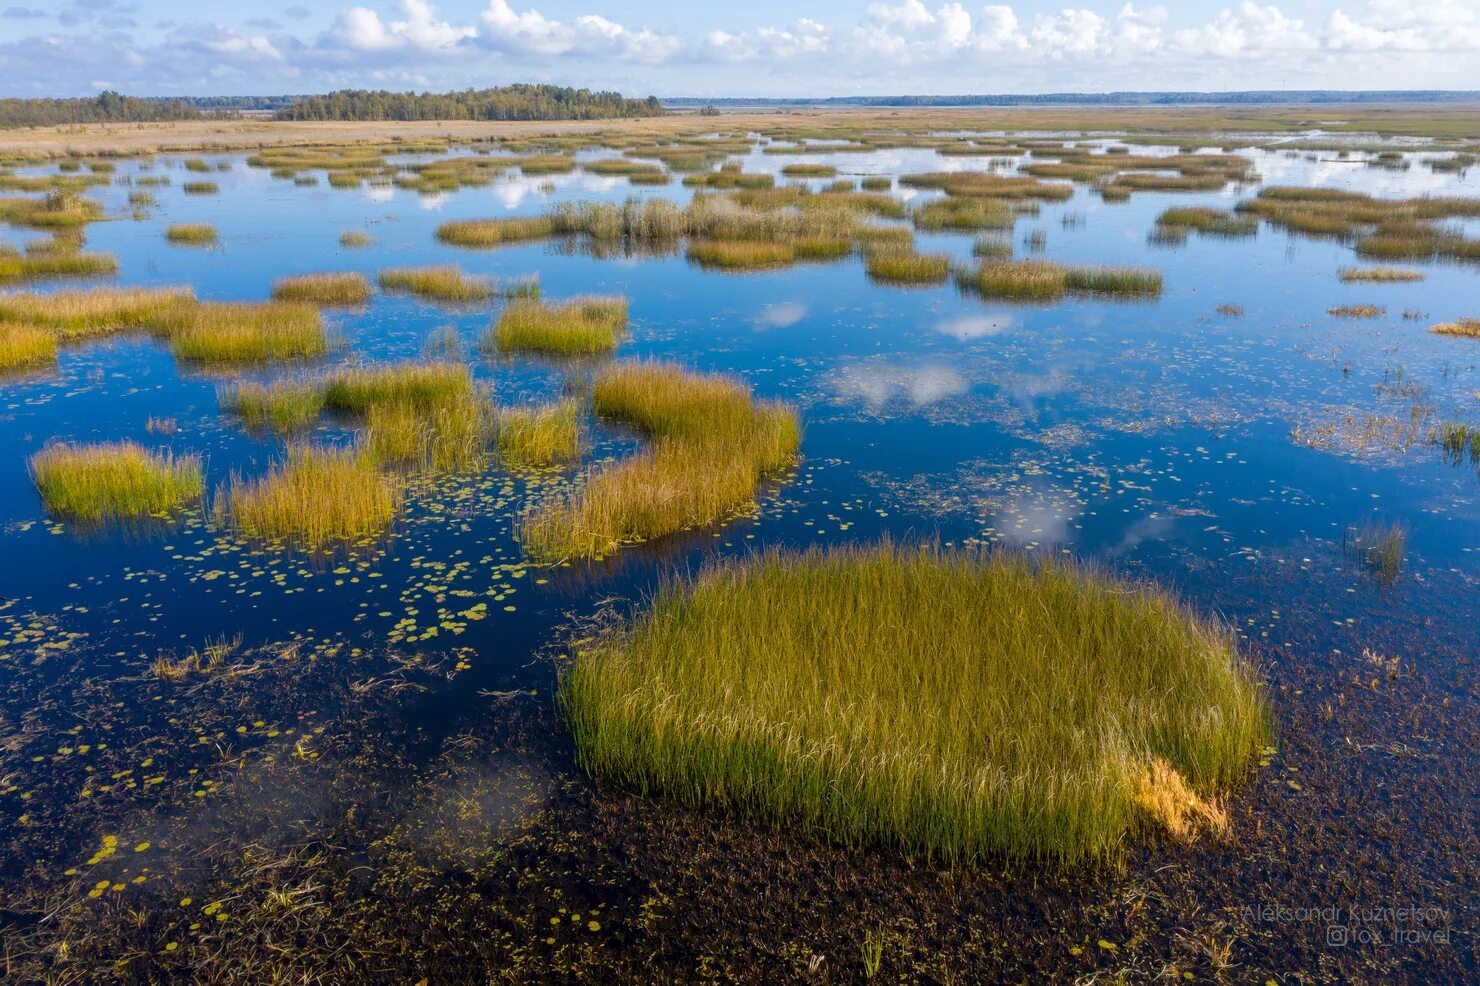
576,327
495,232
445,436
1205,219
315,495
809,171
1357,311
25,346
954,704
1380,274
114,479
1132,281
53,262
713,444
201,188
899,267
355,390
1459,327
964,213
283,405
444,283
1017,279
540,436
345,288
200,234
352,239
249,332
78,314
822,247
740,254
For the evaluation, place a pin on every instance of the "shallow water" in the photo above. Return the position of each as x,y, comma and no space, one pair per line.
1161,439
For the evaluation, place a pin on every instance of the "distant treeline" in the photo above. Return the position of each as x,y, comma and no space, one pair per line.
516,102
105,107
1251,97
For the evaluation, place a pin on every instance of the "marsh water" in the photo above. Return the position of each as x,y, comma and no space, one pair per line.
1229,439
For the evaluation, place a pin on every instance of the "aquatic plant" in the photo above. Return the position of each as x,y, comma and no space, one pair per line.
191,233
540,436
577,327
1017,279
314,495
52,262
249,332
1357,311
1043,712
101,311
283,405
1464,326
353,239
24,346
358,389
739,255
809,170
324,289
964,214
444,283
1130,281
495,232
1378,547
1380,274
113,479
448,435
201,188
901,267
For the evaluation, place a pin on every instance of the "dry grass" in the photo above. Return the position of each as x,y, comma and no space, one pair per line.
324,289
1380,274
249,332
314,496
1357,311
495,232
1459,327
581,326
899,267
52,262
101,311
356,390
26,346
539,437
955,704
741,255
116,479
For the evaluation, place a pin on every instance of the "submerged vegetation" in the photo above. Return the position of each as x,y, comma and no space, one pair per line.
118,479
1044,711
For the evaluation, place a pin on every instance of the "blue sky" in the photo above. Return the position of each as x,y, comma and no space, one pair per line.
761,48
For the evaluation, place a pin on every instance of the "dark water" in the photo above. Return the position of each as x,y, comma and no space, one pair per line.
1163,439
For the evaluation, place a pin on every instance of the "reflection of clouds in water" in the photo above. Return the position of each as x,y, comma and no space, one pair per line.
1154,527
1026,391
1039,518
378,193
780,316
880,385
514,189
431,203
968,327
1355,175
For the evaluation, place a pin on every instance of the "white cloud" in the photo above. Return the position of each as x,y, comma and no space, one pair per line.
361,29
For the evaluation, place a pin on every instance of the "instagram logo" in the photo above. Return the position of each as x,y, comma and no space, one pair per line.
1336,935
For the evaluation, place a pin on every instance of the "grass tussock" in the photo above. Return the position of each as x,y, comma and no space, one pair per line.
191,234
356,390
1357,311
313,496
345,288
353,239
444,283
1380,275
201,188
495,232
809,171
712,445
282,406
101,311
1377,547
450,435
114,479
741,255
902,267
249,332
1039,280
578,327
954,704
49,261
24,347
1459,327
538,437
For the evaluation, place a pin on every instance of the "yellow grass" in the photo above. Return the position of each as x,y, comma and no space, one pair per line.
118,479
249,332
314,496
101,311
577,327
538,437
24,346
444,283
324,289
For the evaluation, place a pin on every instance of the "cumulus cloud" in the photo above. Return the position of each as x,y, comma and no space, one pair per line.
361,29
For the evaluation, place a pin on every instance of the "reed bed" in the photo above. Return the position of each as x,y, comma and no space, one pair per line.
1123,281
191,234
900,267
1380,274
52,262
25,347
249,332
581,326
1017,279
804,170
356,390
1357,311
313,496
987,185
538,437
201,188
282,406
495,232
335,289
113,479
1459,327
443,283
964,214
951,704
449,435
101,311
713,444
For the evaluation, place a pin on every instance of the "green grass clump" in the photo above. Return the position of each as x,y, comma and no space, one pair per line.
741,255
324,289
197,164
809,171
249,332
314,496
1207,220
201,188
101,311
444,283
954,704
1380,274
1133,281
283,405
450,435
352,239
191,233
52,262
355,390
578,327
964,213
900,267
712,446
495,232
538,437
114,479
26,346
1017,279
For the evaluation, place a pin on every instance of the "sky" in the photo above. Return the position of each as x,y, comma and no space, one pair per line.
757,48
